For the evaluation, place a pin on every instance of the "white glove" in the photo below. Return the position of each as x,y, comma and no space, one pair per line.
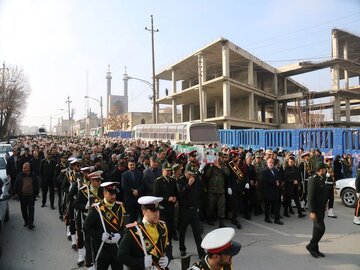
147,261
163,262
115,238
327,175
247,186
87,206
229,191
202,166
358,195
106,238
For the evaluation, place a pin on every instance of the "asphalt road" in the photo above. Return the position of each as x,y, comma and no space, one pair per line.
265,246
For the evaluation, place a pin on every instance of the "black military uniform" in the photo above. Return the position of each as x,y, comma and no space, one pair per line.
189,210
87,195
291,190
58,178
317,204
357,187
330,185
306,170
166,187
142,239
104,224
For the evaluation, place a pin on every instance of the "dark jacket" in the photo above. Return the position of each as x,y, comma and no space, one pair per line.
271,191
165,188
290,175
149,177
317,196
13,167
47,170
132,180
19,182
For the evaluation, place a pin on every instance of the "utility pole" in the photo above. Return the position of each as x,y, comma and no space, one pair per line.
68,103
154,113
102,117
3,97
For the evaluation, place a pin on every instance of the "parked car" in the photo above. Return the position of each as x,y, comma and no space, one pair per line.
345,189
4,195
6,148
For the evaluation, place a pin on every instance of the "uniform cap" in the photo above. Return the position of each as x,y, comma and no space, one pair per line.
180,156
76,160
150,202
123,156
154,158
110,186
86,169
305,154
329,157
70,159
257,155
167,166
193,153
248,155
219,241
192,169
268,151
320,165
95,175
176,167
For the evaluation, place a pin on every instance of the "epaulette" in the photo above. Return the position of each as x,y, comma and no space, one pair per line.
84,186
161,221
118,202
131,225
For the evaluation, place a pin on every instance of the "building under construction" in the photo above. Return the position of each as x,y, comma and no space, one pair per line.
225,84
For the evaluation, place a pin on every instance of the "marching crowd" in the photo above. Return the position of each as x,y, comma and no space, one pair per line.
124,201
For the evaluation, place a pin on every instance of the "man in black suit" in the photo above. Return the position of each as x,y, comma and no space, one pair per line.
133,187
317,205
47,170
271,192
13,168
150,174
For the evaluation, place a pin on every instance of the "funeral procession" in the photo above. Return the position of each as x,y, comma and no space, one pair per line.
146,135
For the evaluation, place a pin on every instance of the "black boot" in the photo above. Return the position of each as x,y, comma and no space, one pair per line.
236,222
175,236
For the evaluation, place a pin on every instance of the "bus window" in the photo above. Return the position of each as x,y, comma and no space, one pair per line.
204,133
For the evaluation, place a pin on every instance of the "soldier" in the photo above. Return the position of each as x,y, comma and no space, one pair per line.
104,224
219,248
150,174
47,169
144,242
249,187
58,178
317,205
329,185
292,182
357,187
215,175
69,181
165,187
235,186
306,170
259,167
87,195
188,207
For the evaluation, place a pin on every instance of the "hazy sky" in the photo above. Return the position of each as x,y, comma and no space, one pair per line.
58,42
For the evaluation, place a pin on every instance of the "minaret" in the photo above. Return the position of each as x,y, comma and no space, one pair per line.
126,79
108,94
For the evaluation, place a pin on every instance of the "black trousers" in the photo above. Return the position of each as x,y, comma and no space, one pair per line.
236,202
60,208
168,215
48,184
79,230
291,193
249,201
27,204
330,195
190,216
318,231
274,204
108,257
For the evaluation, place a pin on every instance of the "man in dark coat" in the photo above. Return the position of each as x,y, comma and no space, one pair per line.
317,205
27,188
271,192
47,170
13,168
133,187
150,174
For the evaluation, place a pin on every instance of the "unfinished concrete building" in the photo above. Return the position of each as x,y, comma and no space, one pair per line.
225,84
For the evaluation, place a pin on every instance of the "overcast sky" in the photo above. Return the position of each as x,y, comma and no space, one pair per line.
58,43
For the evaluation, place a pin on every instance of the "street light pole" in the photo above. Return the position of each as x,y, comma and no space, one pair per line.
68,102
101,112
154,114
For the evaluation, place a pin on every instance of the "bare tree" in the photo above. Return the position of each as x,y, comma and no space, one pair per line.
14,91
305,114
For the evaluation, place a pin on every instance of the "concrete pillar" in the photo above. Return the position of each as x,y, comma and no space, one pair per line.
182,113
275,85
191,112
346,74
204,100
157,97
173,81
201,105
285,86
226,83
263,114
335,72
217,107
276,112
251,107
226,124
336,109
251,73
256,108
173,111
334,44
347,109
285,112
